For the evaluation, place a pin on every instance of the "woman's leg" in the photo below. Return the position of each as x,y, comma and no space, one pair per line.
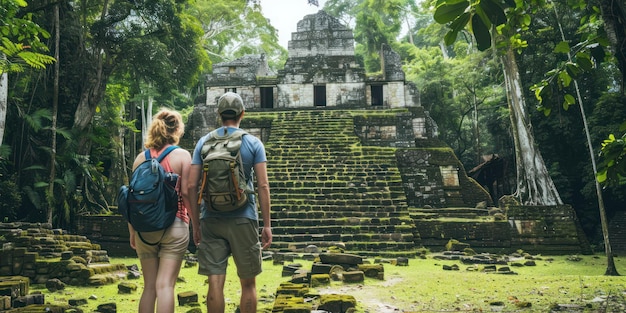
165,283
149,268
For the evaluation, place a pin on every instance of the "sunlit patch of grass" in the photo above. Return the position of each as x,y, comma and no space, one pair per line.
423,286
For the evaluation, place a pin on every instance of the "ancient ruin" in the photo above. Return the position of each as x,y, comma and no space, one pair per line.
354,159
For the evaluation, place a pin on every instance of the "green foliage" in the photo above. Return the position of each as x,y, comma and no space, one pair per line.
613,168
11,200
586,56
16,40
232,29
479,15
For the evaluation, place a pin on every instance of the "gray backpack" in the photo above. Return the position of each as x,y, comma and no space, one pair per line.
224,186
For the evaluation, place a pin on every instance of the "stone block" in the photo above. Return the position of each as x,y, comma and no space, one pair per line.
30,257
107,308
187,297
373,270
6,270
298,308
321,268
6,258
285,301
292,289
77,302
27,300
318,280
55,284
340,258
336,303
126,288
353,277
5,303
14,286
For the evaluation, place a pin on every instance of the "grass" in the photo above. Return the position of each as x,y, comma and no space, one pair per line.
423,286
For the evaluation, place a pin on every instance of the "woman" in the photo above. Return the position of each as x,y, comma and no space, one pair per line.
161,263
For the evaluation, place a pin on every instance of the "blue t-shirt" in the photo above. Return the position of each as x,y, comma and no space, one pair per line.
252,152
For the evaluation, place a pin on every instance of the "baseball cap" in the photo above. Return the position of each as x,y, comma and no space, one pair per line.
230,101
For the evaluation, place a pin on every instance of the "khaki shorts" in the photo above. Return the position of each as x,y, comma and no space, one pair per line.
222,237
173,242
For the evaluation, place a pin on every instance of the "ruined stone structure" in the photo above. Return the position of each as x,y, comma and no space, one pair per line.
354,159
39,252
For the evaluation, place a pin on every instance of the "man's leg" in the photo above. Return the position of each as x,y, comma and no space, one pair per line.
248,295
215,296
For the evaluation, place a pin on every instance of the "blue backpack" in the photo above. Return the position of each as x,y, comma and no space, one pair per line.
149,203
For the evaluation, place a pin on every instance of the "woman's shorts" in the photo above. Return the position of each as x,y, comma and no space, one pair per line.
173,242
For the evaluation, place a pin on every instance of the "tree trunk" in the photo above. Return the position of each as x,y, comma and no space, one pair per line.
4,97
55,109
92,92
610,269
534,184
614,17
146,119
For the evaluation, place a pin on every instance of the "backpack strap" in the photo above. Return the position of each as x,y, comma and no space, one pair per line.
152,243
162,155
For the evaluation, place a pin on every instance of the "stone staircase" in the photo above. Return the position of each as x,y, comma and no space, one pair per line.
327,189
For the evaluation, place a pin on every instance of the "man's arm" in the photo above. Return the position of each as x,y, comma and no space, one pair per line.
190,198
263,189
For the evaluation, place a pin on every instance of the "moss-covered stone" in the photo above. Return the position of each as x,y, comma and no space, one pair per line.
318,280
337,303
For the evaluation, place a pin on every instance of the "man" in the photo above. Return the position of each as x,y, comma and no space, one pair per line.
233,233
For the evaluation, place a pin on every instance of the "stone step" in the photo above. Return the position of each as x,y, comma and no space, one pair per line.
460,212
346,204
349,187
377,248
280,194
335,184
279,212
344,155
356,209
373,232
351,179
366,239
364,170
332,221
336,233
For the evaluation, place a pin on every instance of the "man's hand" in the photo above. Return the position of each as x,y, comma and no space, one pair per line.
266,237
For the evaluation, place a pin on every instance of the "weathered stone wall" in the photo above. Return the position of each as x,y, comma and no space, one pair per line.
492,236
240,72
394,95
41,253
617,231
321,33
247,93
546,229
391,64
109,231
435,177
